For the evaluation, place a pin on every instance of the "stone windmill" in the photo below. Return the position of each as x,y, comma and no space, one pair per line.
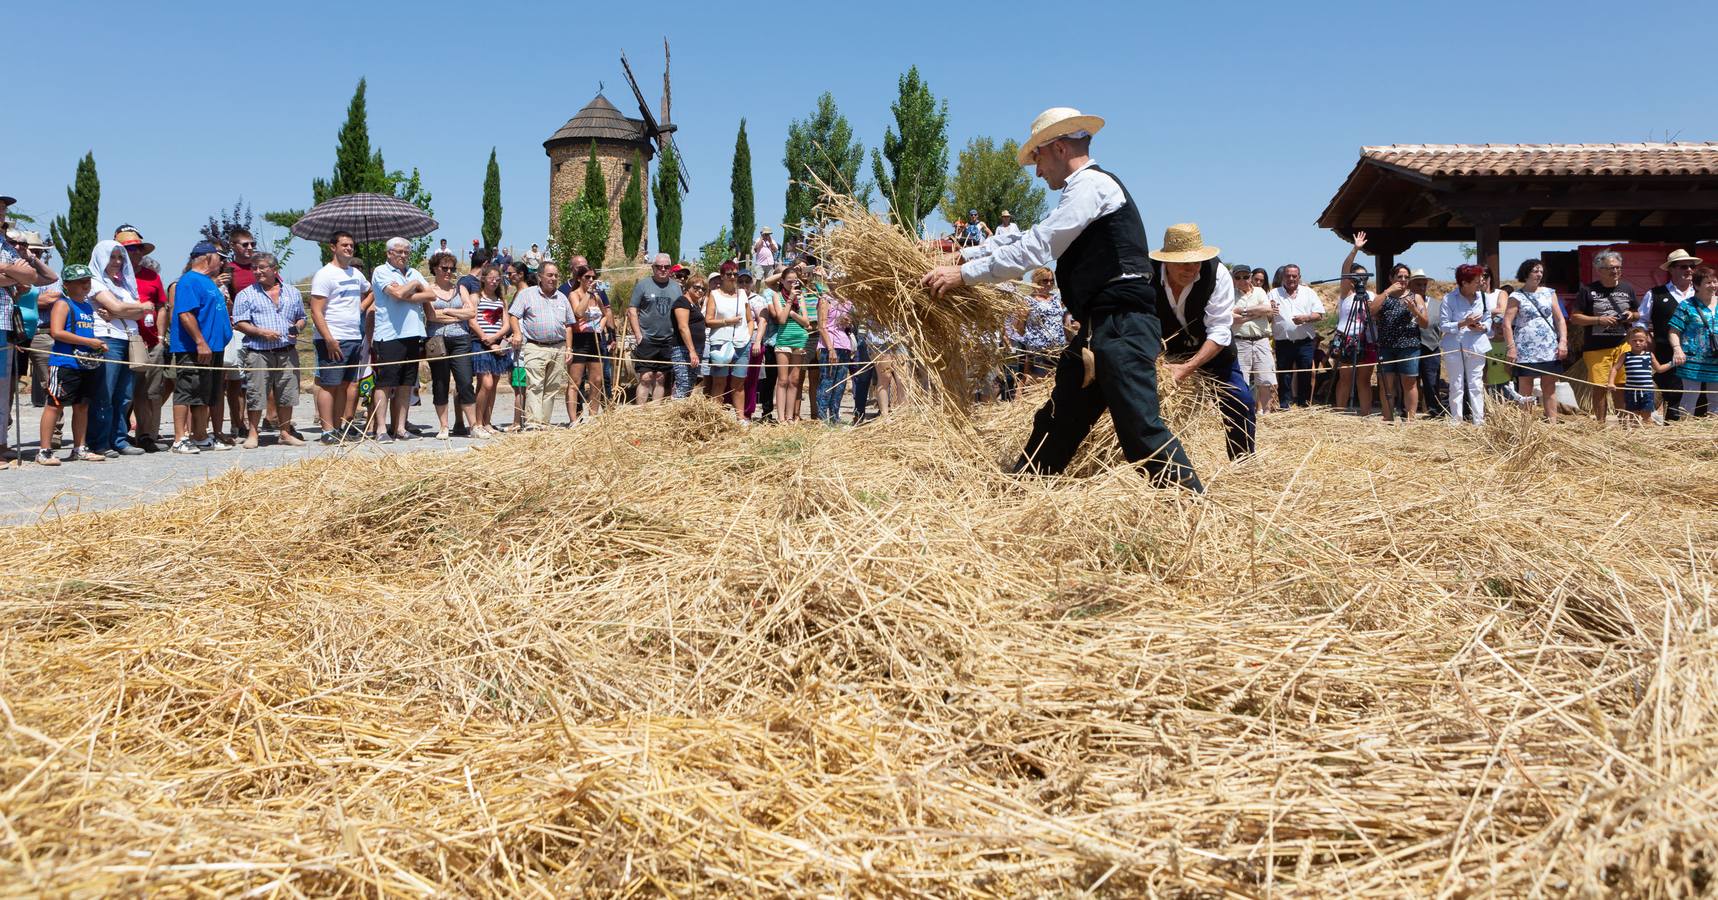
618,137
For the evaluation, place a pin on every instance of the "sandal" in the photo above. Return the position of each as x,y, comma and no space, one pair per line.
46,459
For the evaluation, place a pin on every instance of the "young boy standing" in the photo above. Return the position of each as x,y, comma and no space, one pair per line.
71,323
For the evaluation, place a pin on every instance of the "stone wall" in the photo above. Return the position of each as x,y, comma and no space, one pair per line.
567,182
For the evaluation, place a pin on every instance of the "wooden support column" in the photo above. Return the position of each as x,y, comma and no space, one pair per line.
1382,261
1486,236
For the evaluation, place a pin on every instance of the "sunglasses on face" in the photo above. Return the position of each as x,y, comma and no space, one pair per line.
248,245
444,268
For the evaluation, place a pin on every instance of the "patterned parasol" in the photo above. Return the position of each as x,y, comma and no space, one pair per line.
369,217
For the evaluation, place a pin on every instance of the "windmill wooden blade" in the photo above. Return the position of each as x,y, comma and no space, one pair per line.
661,133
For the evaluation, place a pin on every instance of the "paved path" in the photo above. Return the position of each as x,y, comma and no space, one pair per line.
30,491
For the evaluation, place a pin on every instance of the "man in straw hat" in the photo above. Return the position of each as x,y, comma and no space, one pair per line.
1655,310
1006,226
1197,304
1098,243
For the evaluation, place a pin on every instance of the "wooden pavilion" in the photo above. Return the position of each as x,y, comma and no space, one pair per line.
1404,194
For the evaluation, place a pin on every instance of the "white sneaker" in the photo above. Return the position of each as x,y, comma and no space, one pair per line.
184,446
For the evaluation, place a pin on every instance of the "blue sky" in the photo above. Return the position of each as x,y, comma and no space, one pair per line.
1244,117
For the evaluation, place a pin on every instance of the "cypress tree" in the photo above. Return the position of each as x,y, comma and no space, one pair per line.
491,231
632,210
744,219
668,204
594,243
75,234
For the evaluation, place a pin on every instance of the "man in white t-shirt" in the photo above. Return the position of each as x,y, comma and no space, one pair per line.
401,293
339,296
1296,331
533,258
1007,227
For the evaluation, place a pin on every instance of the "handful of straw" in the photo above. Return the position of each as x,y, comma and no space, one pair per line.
879,267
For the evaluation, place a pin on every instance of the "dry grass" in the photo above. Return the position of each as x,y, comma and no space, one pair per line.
798,661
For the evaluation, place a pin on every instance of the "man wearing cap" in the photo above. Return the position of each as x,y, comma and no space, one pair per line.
149,385
1197,305
1098,242
198,335
1655,310
1252,333
19,271
974,231
1007,227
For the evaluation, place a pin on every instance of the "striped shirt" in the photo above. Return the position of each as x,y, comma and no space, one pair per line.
255,306
491,314
1637,369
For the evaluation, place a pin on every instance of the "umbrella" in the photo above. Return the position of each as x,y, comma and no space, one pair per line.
369,217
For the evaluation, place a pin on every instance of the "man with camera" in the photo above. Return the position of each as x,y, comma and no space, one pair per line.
20,270
1098,242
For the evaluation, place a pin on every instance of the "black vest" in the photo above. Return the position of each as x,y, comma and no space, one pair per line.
1663,305
1181,341
1111,246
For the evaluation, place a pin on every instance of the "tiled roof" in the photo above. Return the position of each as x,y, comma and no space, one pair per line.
600,120
1547,160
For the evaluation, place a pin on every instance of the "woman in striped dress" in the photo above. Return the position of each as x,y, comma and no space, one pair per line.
489,332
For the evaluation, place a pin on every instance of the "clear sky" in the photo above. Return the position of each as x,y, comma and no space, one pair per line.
1244,117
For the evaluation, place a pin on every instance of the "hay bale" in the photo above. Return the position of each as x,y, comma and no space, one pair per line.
658,654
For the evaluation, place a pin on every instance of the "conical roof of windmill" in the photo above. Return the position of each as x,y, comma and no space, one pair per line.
599,120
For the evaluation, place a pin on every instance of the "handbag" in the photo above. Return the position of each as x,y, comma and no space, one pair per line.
15,329
137,354
520,378
721,353
435,348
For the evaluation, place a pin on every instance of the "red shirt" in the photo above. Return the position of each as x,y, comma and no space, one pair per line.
243,277
150,290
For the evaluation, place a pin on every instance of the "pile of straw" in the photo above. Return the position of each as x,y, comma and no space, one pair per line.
879,267
659,654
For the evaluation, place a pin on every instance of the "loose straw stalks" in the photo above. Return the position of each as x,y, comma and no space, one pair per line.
661,654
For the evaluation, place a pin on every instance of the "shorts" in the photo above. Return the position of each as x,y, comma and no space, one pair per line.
1639,401
397,362
1402,361
1537,369
492,363
276,372
1258,361
734,369
348,371
72,385
585,348
652,358
195,384
1599,362
232,358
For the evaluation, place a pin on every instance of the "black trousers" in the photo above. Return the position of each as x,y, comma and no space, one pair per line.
1125,344
1669,383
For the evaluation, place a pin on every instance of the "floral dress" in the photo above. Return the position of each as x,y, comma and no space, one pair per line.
1043,331
1535,326
1697,323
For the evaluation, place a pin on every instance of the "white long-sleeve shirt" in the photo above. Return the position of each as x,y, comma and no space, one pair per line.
1455,308
1219,310
1677,295
1088,196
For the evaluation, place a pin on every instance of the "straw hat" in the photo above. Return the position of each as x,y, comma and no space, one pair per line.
1060,121
1677,256
1183,244
1418,275
128,236
766,229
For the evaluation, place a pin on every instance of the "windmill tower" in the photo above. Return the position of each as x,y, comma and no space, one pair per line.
618,138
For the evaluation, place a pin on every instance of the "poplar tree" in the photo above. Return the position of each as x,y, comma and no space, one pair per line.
821,147
917,153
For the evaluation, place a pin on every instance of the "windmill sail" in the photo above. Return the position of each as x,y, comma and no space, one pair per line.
662,133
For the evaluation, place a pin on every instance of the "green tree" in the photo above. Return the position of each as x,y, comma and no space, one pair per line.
667,194
820,148
281,246
75,234
632,210
917,153
988,179
717,251
581,230
745,217
360,169
593,241
491,231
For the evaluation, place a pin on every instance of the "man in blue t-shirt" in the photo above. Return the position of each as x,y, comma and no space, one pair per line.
200,331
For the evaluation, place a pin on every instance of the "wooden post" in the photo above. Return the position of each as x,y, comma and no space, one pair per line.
1486,235
1383,261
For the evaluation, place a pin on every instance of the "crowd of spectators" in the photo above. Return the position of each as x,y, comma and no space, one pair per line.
108,344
